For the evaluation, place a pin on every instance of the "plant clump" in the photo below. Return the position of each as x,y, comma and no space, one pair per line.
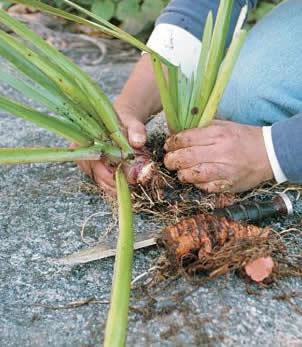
200,235
214,246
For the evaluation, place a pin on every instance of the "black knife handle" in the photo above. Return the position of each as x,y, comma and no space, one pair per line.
257,211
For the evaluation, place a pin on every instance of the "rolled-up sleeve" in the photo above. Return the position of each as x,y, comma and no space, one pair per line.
179,28
191,15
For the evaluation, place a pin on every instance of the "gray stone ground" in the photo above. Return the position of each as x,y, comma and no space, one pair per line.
42,208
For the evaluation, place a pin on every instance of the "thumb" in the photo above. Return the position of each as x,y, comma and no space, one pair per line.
136,134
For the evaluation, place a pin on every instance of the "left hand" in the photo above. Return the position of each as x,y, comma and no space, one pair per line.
224,156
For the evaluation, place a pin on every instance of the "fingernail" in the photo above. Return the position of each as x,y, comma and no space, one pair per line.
138,138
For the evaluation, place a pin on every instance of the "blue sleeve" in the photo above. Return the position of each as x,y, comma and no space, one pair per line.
287,140
192,14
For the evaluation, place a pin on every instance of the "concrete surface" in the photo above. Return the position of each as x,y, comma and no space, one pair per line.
42,208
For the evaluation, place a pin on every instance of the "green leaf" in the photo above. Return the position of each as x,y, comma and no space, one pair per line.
44,155
103,8
65,107
173,86
62,80
223,78
108,27
56,125
32,91
54,72
69,78
100,23
216,52
52,64
117,321
91,93
56,103
165,96
58,59
185,87
27,68
134,25
193,119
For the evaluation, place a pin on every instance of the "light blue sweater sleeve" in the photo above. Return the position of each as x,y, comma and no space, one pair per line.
287,140
191,14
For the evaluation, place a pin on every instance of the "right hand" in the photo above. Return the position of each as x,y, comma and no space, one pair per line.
101,171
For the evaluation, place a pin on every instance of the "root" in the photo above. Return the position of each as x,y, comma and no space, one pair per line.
203,234
234,255
215,246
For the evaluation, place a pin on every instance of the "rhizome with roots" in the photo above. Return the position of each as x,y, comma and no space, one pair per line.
196,244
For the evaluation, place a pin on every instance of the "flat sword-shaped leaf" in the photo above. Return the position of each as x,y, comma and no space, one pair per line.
173,86
225,70
166,99
223,78
45,155
117,321
60,106
216,52
88,93
102,24
119,33
21,61
43,120
195,105
185,88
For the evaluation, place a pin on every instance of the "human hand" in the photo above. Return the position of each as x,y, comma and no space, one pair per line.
101,171
138,100
224,156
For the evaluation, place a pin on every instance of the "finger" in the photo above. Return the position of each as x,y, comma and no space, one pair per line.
99,171
85,166
136,134
103,173
193,137
221,122
190,156
218,186
108,189
135,130
202,173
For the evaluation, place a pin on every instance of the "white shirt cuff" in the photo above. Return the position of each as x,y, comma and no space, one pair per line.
177,45
277,171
